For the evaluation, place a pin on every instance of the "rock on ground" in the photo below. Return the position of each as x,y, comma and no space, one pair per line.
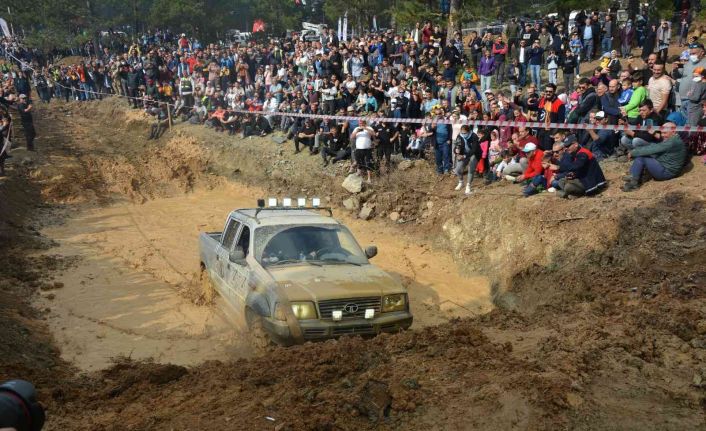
353,183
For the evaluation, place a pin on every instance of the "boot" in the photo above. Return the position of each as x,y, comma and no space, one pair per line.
631,185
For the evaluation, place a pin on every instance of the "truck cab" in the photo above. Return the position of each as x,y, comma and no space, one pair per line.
298,275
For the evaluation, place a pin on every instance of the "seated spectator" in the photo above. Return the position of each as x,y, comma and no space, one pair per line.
663,160
534,172
582,175
636,138
603,141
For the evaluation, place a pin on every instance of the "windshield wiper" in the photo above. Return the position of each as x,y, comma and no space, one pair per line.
285,261
339,261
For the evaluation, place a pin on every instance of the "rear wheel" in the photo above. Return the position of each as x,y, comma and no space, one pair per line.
208,292
260,338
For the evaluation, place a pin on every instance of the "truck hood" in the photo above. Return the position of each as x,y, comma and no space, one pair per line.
314,283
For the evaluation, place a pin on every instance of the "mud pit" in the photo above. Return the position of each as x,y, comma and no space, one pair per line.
128,295
599,323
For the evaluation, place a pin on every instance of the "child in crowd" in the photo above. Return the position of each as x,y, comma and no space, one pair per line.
627,92
499,169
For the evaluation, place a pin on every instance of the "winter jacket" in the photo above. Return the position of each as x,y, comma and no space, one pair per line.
670,153
469,146
486,66
534,165
639,94
584,166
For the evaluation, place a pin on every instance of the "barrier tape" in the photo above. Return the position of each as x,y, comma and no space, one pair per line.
425,121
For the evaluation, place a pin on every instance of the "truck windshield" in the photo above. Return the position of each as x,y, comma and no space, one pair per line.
320,244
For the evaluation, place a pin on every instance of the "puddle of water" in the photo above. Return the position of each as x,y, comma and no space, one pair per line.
121,299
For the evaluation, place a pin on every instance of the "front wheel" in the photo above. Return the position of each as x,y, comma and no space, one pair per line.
260,338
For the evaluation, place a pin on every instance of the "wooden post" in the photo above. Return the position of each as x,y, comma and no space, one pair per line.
169,116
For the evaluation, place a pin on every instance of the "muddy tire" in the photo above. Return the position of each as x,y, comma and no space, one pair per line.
208,292
259,338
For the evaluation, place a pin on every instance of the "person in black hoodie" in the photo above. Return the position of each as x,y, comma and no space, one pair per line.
468,153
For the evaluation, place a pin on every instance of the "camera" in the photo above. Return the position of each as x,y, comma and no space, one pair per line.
19,408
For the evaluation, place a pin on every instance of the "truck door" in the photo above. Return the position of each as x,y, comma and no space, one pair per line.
223,258
237,272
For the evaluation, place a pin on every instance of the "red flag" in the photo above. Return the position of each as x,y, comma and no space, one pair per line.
258,25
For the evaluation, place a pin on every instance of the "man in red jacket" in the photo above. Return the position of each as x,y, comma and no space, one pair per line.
533,175
534,162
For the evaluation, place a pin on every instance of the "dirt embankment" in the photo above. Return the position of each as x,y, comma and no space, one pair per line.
599,325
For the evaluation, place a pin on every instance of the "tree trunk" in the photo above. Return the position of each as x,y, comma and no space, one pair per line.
454,23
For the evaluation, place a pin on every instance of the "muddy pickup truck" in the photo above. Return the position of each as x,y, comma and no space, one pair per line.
299,275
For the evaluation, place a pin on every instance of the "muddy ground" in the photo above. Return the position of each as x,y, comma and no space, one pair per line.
530,313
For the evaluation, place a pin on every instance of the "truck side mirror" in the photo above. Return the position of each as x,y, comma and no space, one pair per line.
371,251
237,255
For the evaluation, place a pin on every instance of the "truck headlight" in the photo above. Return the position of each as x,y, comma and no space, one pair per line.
397,302
304,310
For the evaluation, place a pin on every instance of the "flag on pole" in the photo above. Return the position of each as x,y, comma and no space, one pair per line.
258,25
340,37
375,23
345,27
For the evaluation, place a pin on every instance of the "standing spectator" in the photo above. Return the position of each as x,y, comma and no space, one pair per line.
24,106
363,136
500,50
442,145
649,41
522,57
536,55
512,32
577,48
607,36
569,66
467,152
664,36
627,34
552,66
486,69
588,34
476,49
696,95
696,59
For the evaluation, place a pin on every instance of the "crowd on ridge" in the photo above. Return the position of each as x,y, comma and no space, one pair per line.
530,72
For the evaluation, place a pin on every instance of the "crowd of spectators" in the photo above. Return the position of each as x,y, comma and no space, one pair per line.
530,72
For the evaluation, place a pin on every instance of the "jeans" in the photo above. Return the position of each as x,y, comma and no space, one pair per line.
606,44
588,48
533,187
569,82
499,73
535,70
552,76
461,164
630,143
442,153
655,169
485,83
523,74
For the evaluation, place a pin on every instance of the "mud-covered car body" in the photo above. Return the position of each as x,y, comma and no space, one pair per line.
302,275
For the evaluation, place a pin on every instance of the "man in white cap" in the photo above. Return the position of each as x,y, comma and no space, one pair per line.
534,162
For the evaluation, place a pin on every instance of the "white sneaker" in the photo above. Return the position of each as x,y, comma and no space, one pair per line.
468,189
459,186
551,190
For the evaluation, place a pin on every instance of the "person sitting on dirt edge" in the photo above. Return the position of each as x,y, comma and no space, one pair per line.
663,160
583,174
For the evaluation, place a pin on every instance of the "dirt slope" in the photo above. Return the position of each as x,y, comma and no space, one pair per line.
600,321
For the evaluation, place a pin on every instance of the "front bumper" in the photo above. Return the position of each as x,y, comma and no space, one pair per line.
324,329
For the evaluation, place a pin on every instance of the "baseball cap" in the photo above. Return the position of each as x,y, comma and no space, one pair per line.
529,147
569,140
350,109
600,115
23,96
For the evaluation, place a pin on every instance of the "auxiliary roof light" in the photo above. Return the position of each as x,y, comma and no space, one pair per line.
287,202
272,202
315,202
301,202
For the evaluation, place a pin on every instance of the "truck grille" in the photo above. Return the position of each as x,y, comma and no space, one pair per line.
327,307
